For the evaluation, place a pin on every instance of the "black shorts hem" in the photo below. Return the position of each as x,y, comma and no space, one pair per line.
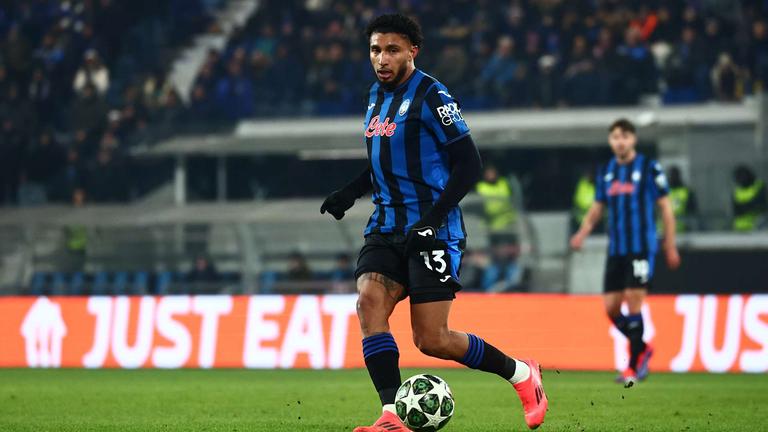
421,297
390,275
613,289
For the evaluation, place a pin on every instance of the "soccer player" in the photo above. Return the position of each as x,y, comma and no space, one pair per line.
629,186
422,161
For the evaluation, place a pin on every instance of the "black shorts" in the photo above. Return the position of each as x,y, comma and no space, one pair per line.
427,277
628,271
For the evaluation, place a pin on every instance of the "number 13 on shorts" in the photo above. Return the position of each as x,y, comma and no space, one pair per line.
434,260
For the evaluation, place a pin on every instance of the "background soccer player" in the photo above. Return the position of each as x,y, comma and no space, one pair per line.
422,163
630,185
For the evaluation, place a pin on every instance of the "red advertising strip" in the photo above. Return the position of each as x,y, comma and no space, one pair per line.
689,332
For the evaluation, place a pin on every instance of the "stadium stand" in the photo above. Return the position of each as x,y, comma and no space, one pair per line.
306,58
296,58
82,81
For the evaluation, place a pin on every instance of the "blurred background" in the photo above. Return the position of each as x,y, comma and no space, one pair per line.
185,146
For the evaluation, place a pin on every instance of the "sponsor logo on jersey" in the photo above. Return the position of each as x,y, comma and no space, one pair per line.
377,128
450,114
404,107
443,92
620,188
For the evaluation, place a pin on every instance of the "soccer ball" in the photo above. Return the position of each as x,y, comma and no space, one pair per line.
424,403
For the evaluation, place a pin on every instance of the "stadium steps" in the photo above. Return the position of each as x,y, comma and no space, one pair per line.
188,63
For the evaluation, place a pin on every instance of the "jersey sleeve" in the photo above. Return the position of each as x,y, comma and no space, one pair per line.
658,181
600,187
441,114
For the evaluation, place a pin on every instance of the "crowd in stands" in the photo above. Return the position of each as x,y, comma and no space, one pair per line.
80,82
310,57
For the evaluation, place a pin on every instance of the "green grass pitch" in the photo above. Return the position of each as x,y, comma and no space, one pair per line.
240,400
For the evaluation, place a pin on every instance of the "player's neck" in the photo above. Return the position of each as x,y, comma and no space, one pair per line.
406,77
627,159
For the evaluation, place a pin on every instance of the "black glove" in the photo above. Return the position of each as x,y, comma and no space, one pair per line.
338,202
421,237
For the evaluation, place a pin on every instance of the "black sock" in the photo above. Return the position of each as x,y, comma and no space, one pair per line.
635,330
381,359
621,322
487,358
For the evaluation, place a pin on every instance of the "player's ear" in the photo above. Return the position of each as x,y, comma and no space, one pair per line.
414,51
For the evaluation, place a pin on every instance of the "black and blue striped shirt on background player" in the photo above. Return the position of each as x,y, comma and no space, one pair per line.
630,192
406,132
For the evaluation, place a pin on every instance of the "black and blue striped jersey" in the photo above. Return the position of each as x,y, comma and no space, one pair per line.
630,192
406,132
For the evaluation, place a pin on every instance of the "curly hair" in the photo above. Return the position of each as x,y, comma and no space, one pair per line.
396,23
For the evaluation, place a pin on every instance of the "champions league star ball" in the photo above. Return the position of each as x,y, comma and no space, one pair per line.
424,403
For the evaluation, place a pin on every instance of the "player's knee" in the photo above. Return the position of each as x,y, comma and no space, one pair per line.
613,312
370,314
433,344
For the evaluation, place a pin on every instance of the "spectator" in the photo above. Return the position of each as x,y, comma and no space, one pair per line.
41,96
499,211
287,70
11,151
92,72
500,217
546,82
298,269
750,201
683,199
583,197
757,55
343,275
107,179
727,79
580,80
20,110
51,53
203,278
170,114
687,70
234,94
636,67
69,178
43,158
201,107
16,52
89,112
76,237
452,66
499,73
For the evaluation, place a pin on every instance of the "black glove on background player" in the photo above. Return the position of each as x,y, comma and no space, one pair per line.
338,202
465,171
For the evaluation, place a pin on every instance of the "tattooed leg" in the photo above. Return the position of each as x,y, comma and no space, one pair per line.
377,298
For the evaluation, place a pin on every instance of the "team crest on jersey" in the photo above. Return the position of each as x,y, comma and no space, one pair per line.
404,107
636,176
449,114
